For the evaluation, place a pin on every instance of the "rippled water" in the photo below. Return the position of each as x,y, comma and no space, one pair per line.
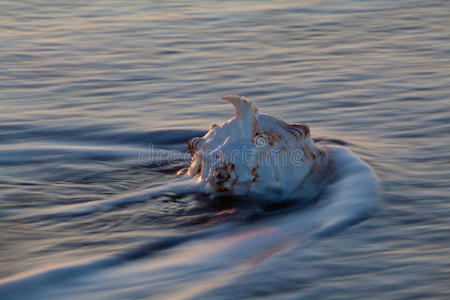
86,87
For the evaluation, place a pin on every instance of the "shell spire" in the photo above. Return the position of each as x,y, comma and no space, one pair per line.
244,108
245,114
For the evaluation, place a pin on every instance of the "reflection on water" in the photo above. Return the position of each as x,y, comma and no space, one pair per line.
87,86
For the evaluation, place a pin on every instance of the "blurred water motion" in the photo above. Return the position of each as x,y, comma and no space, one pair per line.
87,86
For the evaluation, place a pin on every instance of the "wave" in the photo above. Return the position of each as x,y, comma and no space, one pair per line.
21,154
95,134
194,265
177,188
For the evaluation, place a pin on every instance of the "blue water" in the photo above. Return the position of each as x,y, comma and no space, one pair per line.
86,88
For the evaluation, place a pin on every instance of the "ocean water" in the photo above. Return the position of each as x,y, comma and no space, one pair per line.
97,102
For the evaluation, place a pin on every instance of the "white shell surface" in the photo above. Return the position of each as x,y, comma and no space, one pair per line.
258,155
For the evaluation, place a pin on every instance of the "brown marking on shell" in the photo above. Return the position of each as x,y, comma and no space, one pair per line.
299,131
234,181
322,151
277,137
282,149
305,129
222,175
316,167
269,136
228,165
254,174
321,164
305,153
254,124
309,151
200,167
193,143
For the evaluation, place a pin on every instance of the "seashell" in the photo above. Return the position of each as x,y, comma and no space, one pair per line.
257,155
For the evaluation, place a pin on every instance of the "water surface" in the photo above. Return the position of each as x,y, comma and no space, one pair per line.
86,87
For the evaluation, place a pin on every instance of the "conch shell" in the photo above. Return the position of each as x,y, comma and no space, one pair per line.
257,155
